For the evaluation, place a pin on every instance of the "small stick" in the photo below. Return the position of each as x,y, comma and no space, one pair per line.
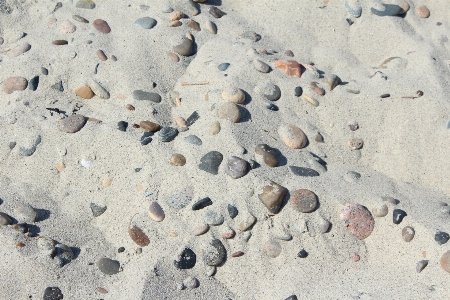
195,83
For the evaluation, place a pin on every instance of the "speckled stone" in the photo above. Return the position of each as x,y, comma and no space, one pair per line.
143,95
108,266
5,219
156,212
408,233
53,293
72,123
353,7
398,215
215,253
97,210
269,90
99,90
190,282
86,4
292,136
272,196
233,94
229,111
269,156
210,162
182,198
213,218
186,259
358,220
236,167
193,139
441,237
304,201
146,22
272,249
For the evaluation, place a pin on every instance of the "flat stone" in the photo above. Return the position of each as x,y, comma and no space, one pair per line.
202,203
33,83
229,111
5,219
250,35
122,126
232,211
261,66
44,71
210,162
233,94
290,67
156,212
200,230
72,123
214,128
422,11
177,160
87,4
143,95
192,7
192,118
213,218
108,266
186,259
80,19
353,7
223,66
102,26
216,12
167,134
272,249
53,293
388,10
421,265
355,143
26,214
304,201
149,126
272,196
331,81
84,92
146,22
182,198
211,27
184,48
193,139
97,210
138,236
215,253
194,25
304,172
358,220
292,136
60,42
398,216
99,90
236,167
13,84
441,237
146,138
19,49
445,261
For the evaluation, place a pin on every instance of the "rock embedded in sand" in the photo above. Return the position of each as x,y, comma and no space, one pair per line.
101,290
353,7
72,123
232,211
404,6
216,12
182,198
214,128
173,57
192,8
236,167
13,84
67,27
122,126
210,162
53,293
269,156
445,261
290,67
26,214
355,144
19,49
193,139
97,210
215,253
408,234
269,90
250,35
272,107
190,282
194,25
176,15
358,220
149,126
138,236
184,48
167,134
99,90
272,249
200,230
176,23
87,4
233,94
331,81
79,19
229,111
292,136
247,221
422,11
223,66
84,92
324,225
381,212
143,95
398,215
202,203
146,22
30,148
421,265
441,237
211,27
318,90
156,212
102,26
186,259
5,219
108,266
177,160
272,196
304,201
213,218
302,254
352,177
261,66
180,121
101,55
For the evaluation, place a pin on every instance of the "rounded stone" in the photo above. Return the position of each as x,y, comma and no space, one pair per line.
324,225
408,233
261,66
186,259
19,49
101,55
441,237
200,230
445,261
229,111
53,293
290,67
331,81
191,282
233,94
304,201
210,162
211,27
26,214
184,47
404,7
13,84
5,219
214,128
269,156
84,92
167,134
223,66
380,212
422,11
156,212
213,218
108,266
102,26
67,27
177,160
215,253
86,4
272,196
149,126
236,167
79,19
180,121
358,220
193,139
143,95
202,203
269,90
146,22
292,136
99,90
247,221
398,215
72,123
302,253
272,249
355,144
97,210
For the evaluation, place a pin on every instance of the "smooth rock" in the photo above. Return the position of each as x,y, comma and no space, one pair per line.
229,111
272,249
67,27
272,196
156,212
210,162
149,126
177,160
191,282
182,198
5,219
251,35
422,11
398,215
176,15
186,259
72,123
99,90
324,225
290,67
272,107
236,167
302,253
404,7
445,261
79,19
180,121
30,147
138,236
261,66
292,136
84,92
87,4
387,10
232,211
233,94
143,95
247,221
269,90
215,253
146,22
184,48
200,230
381,212
122,126
304,172
304,201
192,8
408,234
97,210
298,91
215,12
167,134
331,81
101,55
46,245
421,265
269,156
26,214
194,25
318,90
213,218
13,84
441,237
202,203
33,83
355,144
173,57
19,49
192,118
44,71
176,23
353,7
237,254
214,128
102,26
53,293
358,220
193,139
223,66
319,138
60,42
108,266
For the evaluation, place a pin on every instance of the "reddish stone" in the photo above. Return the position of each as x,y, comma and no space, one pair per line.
291,67
358,220
101,26
304,201
13,84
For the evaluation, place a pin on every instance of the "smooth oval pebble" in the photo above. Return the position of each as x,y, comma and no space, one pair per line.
177,160
99,90
445,261
358,220
146,22
422,11
149,126
214,128
60,42
215,12
292,136
101,55
86,4
272,249
381,212
232,211
200,230
233,94
175,23
404,7
193,139
304,201
302,253
352,177
186,259
229,111
229,235
236,167
261,66
270,91
108,266
143,95
13,84
398,215
213,218
355,144
102,26
408,233
215,253
101,290
269,156
26,214
19,49
421,265
72,123
184,48
5,219
324,225
156,212
167,134
441,237
202,203
84,92
237,254
53,293
272,196
138,236
173,57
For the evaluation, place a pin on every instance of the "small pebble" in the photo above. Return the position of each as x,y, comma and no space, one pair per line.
421,265
233,94
5,219
269,156
149,126
290,67
146,22
298,91
167,134
398,216
72,124
385,96
356,258
108,266
121,249
232,211
101,55
99,90
79,19
408,233
422,11
214,128
261,66
200,230
319,138
101,290
101,26
193,139
19,49
272,249
353,7
186,259
357,219
210,162
138,236
445,261
211,27
236,167
213,218
86,4
302,253
176,23
191,282
292,136
247,221
194,25
441,237
331,81
177,160
184,47
355,144
202,203
304,201
215,253
250,35
381,212
67,27
156,212
192,8
44,71
272,196
13,84
304,172
26,214
97,210
53,293
272,107
215,12
84,92
289,53
60,42
122,126
237,254
143,95
229,111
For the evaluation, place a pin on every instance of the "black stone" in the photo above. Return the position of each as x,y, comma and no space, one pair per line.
202,203
441,237
33,83
389,10
306,172
293,297
210,162
349,21
186,260
146,139
192,118
253,164
298,91
137,170
385,96
44,71
232,211
122,126
53,293
302,253
398,215
121,249
272,107
215,12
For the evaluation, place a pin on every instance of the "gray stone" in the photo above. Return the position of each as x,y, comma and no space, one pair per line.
193,8
33,83
5,219
122,126
108,266
236,167
251,35
79,19
210,162
167,134
28,150
421,265
184,48
193,139
213,218
146,22
98,89
232,211
64,253
44,71
215,253
353,7
26,214
441,237
261,66
181,199
269,156
53,293
223,66
352,177
388,10
87,4
185,259
97,210
143,95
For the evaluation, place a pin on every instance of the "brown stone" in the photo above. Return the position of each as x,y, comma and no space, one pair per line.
269,156
173,57
422,11
60,42
408,234
176,15
60,166
101,55
177,160
175,23
272,196
101,26
149,126
138,236
194,25
304,201
233,94
84,92
19,49
13,84
156,212
290,67
292,136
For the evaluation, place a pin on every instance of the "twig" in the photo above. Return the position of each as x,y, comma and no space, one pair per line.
195,83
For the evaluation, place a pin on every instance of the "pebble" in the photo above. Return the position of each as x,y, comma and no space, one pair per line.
251,35
122,126
87,4
22,228
202,203
214,128
421,265
233,94
33,83
269,156
215,254
272,196
101,55
30,148
176,15
247,221
398,216
182,198
211,26
358,220
53,293
356,258
101,26
272,249
193,139
385,96
236,167
13,84
192,118
101,290
381,212
138,236
64,253
261,66
184,48
2,40
97,210
146,22
304,172
223,66
192,8
186,259
173,57
441,237
167,134
354,126
404,7
229,111
290,67
422,11
84,92
210,162
237,254
210,271
445,261
304,201
213,218
269,90
331,81
194,25
79,19
19,49
60,42
292,297
388,10
272,107
5,219
229,235
324,225
310,100
146,138
108,266
298,91
156,212
292,136
26,214
289,53
149,126
215,12
180,121
176,23
232,211
191,282
143,95
67,27
302,253
58,86
167,10
319,91
200,230
72,123
44,71
353,7
98,89
352,177
177,160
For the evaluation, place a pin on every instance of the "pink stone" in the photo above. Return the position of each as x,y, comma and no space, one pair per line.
358,220
13,84
67,27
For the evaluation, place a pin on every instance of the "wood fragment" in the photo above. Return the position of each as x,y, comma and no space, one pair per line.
383,64
195,83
